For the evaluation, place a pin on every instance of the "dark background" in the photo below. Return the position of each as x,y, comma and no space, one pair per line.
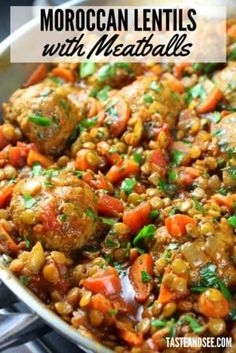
5,15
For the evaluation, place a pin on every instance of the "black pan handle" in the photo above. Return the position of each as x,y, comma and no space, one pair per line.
17,328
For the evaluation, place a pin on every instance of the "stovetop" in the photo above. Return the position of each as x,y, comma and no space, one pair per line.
44,341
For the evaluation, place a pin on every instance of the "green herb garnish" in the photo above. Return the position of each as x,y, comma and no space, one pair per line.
195,326
102,95
177,157
154,214
146,278
90,213
40,120
147,232
148,99
128,185
232,221
87,69
29,200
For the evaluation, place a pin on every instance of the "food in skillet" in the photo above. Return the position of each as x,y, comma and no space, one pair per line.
117,201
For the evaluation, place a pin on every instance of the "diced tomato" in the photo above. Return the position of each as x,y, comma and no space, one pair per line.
109,205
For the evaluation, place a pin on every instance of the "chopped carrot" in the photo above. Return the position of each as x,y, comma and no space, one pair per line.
137,217
5,194
81,161
143,264
117,117
37,75
165,295
109,205
35,156
188,174
133,338
176,224
232,31
101,303
6,242
133,254
223,200
211,101
105,281
180,68
119,172
63,73
212,303
97,181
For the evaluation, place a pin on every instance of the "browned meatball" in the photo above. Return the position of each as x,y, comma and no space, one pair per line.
226,82
56,208
147,96
47,114
225,132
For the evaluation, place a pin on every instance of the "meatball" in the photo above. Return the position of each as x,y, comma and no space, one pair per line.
225,132
56,208
47,114
147,96
226,81
115,75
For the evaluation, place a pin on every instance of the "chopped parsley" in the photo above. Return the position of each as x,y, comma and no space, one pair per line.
40,120
195,326
87,69
159,323
232,314
36,169
65,105
232,54
27,242
155,87
232,221
112,312
102,95
218,133
128,185
90,213
108,221
146,278
137,157
24,280
198,205
110,243
148,99
197,91
109,70
154,214
177,157
29,200
167,187
147,232
63,217
209,278
87,123
216,117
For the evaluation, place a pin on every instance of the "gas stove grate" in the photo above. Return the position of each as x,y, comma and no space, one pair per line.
39,338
